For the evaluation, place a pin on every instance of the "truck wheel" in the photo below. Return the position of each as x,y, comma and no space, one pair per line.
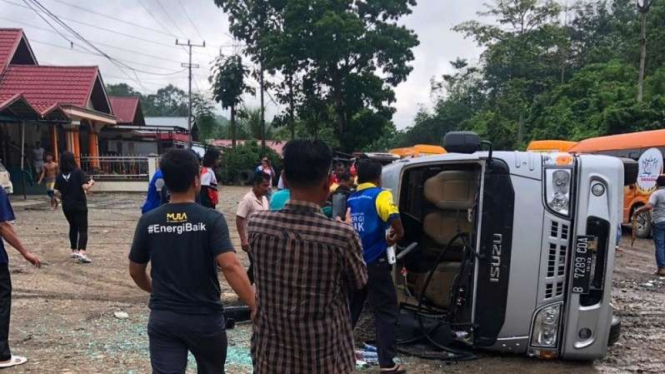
245,177
615,331
643,226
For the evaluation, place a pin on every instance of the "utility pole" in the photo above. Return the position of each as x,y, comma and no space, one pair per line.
190,66
263,113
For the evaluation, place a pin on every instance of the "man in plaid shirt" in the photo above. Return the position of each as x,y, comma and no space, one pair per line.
304,265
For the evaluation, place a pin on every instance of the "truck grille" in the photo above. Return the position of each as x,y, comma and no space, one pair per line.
557,244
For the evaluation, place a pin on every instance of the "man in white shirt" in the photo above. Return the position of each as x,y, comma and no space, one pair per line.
254,201
657,207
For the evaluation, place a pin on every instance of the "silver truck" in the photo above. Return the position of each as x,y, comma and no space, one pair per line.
513,251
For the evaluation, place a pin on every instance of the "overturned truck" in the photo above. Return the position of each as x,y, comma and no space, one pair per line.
510,251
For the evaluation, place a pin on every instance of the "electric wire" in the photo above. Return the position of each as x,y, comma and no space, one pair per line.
172,46
169,17
171,72
38,5
88,43
26,24
198,32
112,17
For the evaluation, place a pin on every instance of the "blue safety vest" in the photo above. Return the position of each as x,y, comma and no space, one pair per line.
154,198
368,224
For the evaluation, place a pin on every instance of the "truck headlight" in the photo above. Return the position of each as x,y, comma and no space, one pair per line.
546,327
558,190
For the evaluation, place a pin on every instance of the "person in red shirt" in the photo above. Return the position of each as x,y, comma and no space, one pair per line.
209,194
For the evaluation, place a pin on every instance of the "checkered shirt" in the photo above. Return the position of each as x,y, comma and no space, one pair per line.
304,266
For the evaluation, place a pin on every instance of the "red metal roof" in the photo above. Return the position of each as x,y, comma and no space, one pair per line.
9,39
44,86
124,108
275,145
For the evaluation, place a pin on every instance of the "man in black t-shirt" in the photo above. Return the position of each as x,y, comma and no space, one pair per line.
185,242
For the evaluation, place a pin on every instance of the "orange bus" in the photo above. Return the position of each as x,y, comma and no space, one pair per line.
418,150
629,146
550,146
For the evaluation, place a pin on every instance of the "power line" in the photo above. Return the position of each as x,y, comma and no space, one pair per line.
113,18
48,23
124,34
169,17
82,39
190,20
97,42
171,72
101,28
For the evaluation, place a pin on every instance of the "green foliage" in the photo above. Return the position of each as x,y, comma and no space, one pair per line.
541,79
228,85
330,53
250,122
243,157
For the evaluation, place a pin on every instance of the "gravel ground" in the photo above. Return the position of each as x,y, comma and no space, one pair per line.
63,315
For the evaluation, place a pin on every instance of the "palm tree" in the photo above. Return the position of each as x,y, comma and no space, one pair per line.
251,120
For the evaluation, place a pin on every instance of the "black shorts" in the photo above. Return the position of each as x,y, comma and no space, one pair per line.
173,335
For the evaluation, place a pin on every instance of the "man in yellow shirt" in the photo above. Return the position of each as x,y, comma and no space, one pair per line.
376,218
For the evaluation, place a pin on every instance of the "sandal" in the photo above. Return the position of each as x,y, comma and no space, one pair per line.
397,369
14,361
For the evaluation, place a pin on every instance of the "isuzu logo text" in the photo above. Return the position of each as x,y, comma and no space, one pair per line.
495,266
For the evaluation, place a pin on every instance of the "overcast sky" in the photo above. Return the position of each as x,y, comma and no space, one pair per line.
151,48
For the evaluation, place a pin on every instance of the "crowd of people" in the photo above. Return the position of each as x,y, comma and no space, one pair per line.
309,274
317,248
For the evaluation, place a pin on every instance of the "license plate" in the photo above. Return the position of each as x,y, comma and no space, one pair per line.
583,263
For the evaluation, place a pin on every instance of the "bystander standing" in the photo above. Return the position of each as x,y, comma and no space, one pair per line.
8,234
254,201
72,185
657,207
304,265
185,242
209,194
278,199
374,214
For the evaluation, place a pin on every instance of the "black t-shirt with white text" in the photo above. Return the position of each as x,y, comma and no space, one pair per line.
182,241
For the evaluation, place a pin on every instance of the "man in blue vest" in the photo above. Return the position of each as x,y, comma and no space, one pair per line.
158,194
376,219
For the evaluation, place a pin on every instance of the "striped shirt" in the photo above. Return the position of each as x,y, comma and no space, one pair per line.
304,266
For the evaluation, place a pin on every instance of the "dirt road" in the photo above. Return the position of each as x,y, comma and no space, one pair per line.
63,315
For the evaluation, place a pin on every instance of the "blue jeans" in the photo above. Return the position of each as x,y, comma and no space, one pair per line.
659,241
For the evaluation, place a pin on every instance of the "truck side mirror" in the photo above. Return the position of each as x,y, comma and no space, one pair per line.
461,142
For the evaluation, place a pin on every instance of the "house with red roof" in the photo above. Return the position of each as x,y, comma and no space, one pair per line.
61,107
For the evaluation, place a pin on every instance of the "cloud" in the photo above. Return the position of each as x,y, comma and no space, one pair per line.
151,47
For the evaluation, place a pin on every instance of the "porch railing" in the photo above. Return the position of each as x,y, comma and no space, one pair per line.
116,168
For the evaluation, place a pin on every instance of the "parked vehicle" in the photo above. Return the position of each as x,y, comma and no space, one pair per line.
5,180
382,157
510,251
418,150
550,146
628,146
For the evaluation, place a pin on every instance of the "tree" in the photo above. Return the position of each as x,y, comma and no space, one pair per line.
122,90
643,6
169,101
228,85
251,123
252,22
333,49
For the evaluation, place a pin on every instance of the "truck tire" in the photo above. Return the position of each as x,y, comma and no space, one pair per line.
245,177
643,226
237,313
615,331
